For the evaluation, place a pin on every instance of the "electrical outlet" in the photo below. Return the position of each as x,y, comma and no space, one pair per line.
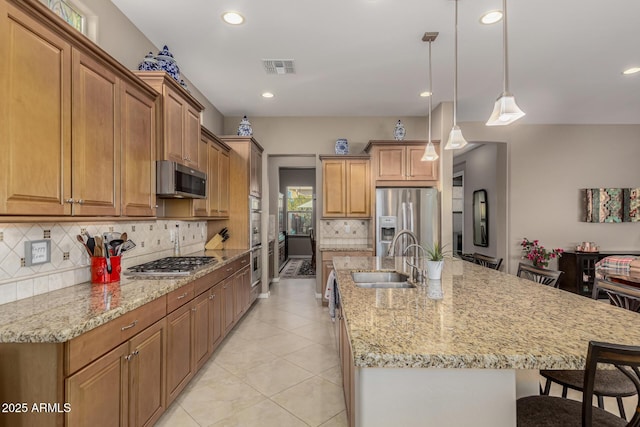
172,236
347,228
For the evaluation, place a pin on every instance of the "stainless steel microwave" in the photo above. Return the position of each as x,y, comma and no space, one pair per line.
176,181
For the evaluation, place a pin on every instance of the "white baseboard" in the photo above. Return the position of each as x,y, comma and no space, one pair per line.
264,295
318,296
275,280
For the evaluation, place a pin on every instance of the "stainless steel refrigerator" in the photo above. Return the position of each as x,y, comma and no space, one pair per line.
414,209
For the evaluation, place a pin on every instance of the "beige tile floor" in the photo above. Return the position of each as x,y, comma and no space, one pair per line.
279,367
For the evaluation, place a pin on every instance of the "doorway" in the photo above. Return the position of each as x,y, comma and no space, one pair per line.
458,212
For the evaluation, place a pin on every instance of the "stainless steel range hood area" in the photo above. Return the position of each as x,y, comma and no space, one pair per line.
176,181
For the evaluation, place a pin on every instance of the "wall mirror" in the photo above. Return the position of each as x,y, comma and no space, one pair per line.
480,218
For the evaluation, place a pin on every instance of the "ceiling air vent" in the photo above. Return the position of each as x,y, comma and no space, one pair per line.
278,66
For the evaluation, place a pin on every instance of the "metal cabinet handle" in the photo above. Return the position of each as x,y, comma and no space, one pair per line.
80,201
135,353
230,269
194,309
183,295
129,326
212,296
69,201
127,357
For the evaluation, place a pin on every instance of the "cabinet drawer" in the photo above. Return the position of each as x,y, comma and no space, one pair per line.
205,282
236,265
179,297
89,346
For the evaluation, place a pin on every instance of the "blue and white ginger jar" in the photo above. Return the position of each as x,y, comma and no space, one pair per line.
399,132
245,127
342,146
167,63
150,63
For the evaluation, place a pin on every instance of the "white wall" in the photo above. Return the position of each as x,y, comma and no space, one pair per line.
548,165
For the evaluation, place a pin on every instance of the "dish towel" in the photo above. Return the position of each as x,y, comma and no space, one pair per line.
330,294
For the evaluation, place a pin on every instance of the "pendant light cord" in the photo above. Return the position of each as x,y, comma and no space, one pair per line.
455,68
430,95
505,58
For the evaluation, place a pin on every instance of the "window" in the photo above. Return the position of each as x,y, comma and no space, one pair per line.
69,13
299,210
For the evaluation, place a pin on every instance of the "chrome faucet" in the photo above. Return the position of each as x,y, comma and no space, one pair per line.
392,246
417,273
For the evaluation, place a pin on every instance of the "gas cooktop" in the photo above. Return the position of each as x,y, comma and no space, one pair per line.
171,266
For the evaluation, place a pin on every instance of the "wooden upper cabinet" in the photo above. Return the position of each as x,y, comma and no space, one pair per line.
179,119
346,187
95,123
138,142
200,206
395,162
35,109
255,188
333,188
66,123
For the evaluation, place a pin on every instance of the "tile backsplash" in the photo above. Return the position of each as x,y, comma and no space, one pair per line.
344,231
69,260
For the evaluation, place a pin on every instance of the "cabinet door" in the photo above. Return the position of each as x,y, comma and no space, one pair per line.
138,141
179,351
213,180
173,125
216,320
95,123
345,356
239,294
201,206
201,333
390,163
333,188
35,111
417,170
229,304
98,394
327,266
191,136
358,189
146,375
246,287
223,184
255,185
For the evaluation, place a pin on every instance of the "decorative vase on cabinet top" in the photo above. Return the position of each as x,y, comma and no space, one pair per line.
150,63
245,127
399,132
167,63
342,146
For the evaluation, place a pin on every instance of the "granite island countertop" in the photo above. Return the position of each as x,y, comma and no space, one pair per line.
64,314
486,319
346,247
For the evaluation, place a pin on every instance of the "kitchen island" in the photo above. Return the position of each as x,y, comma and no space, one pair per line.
463,359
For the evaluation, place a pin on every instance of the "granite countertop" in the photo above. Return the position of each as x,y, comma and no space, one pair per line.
64,314
486,319
345,247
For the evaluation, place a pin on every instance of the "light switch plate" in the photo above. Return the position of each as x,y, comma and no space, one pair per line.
37,252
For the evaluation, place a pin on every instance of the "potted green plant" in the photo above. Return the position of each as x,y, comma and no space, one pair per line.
435,261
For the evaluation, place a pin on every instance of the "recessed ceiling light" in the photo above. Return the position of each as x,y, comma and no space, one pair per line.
233,18
268,95
425,94
491,17
631,70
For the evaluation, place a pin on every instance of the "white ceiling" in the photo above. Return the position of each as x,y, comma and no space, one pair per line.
366,57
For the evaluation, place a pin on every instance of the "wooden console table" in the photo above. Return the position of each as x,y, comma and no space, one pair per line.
579,269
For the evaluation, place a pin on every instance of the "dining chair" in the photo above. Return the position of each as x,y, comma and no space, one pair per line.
540,275
608,383
487,261
549,411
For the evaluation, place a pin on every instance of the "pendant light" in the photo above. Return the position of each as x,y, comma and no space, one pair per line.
505,110
456,140
430,154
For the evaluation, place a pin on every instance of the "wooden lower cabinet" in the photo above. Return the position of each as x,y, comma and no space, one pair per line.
123,387
201,330
216,317
228,302
180,368
348,371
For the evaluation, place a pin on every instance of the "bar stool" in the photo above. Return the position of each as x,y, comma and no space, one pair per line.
487,261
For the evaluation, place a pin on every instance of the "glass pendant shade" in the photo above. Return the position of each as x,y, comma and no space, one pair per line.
456,140
430,153
505,111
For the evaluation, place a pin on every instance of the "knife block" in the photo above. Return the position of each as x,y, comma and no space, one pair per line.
214,243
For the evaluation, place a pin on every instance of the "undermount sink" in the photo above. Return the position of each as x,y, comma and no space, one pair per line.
381,279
